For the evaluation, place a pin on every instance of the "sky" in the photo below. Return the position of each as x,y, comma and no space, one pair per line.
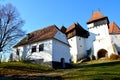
38,14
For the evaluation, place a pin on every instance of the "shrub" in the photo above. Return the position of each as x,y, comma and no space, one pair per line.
114,56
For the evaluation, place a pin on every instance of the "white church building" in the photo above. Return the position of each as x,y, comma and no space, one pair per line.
101,39
52,45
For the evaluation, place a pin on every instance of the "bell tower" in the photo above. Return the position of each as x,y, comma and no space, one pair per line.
98,25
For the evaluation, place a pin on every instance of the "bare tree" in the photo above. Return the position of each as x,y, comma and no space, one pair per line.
10,26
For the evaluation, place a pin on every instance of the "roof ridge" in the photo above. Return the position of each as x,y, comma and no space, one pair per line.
42,28
39,35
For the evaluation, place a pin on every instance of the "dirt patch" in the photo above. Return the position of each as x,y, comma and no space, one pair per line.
11,74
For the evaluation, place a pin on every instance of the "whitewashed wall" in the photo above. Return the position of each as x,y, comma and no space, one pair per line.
61,36
89,41
102,39
60,50
73,48
81,51
103,44
115,39
78,48
46,55
60,47
100,31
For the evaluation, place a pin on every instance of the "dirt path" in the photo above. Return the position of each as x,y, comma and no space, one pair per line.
55,75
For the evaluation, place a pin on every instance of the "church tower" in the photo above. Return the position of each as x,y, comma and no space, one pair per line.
77,37
98,26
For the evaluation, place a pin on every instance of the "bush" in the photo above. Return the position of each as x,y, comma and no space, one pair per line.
114,56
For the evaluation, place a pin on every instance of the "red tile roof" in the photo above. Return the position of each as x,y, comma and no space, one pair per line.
113,28
96,16
39,35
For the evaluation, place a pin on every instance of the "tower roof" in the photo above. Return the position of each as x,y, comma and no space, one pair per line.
96,16
76,30
114,28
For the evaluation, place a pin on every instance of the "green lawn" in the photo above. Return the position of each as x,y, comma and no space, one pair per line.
97,71
25,67
93,70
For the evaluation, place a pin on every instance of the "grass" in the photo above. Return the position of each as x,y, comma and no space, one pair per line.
25,67
95,71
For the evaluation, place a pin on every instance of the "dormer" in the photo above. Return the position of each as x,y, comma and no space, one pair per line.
29,36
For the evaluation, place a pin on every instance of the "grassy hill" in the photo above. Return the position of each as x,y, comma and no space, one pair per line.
93,70
13,67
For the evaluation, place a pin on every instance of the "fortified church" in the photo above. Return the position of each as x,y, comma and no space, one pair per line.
101,39
52,45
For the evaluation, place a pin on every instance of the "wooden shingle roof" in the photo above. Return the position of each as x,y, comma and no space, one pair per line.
76,30
39,35
114,28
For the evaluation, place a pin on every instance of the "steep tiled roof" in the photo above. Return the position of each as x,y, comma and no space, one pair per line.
39,35
76,30
96,16
113,28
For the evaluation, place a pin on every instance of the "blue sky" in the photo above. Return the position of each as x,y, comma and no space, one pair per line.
41,13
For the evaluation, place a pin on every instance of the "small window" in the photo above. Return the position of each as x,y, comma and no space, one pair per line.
98,34
41,47
33,49
18,52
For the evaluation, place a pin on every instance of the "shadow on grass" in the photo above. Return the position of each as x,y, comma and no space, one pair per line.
97,64
17,77
116,78
104,64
